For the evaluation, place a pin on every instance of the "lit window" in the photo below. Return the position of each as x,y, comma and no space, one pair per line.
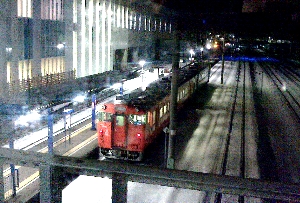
103,116
120,120
137,119
25,8
52,10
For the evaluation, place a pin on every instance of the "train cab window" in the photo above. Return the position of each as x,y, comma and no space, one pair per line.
120,120
103,116
137,119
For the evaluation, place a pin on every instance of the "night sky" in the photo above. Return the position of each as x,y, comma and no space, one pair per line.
279,18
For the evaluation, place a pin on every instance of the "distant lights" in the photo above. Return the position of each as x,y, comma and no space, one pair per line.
142,63
79,99
60,46
8,49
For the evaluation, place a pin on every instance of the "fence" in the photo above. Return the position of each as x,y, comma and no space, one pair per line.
40,82
122,172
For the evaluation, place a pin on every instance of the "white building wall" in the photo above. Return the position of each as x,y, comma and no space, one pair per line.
104,26
94,30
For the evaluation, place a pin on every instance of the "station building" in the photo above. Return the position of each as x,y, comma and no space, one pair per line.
82,37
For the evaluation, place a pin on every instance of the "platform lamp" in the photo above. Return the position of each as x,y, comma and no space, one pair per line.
142,63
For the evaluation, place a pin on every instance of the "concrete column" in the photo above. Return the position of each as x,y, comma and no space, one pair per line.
119,188
50,184
3,45
80,35
1,181
36,62
69,27
173,102
16,33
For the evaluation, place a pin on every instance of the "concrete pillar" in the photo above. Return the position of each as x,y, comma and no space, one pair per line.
69,28
3,45
36,62
1,181
80,35
119,188
50,184
173,102
16,34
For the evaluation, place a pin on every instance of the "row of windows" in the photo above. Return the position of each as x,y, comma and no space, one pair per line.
120,121
141,22
24,67
50,9
137,119
181,94
48,66
122,17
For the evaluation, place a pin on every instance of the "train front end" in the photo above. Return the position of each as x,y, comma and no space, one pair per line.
121,132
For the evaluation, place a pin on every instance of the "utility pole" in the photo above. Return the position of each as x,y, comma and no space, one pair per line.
173,102
222,72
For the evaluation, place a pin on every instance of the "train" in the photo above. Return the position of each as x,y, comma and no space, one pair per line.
129,123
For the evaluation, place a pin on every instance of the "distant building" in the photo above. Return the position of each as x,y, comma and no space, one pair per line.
42,37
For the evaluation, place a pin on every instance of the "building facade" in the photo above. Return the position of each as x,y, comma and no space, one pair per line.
44,37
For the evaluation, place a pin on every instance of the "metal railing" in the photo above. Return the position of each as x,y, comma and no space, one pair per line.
40,82
150,175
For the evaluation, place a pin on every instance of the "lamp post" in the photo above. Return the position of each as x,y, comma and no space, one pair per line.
93,112
192,53
67,122
13,169
201,49
50,124
142,63
222,71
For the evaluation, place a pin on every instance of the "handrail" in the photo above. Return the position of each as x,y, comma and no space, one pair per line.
165,177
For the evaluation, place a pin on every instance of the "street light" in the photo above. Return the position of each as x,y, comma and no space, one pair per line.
67,122
50,124
192,53
201,49
223,47
142,63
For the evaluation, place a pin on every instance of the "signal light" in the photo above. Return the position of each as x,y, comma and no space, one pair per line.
138,135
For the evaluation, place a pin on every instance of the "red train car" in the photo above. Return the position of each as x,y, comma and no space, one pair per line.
125,128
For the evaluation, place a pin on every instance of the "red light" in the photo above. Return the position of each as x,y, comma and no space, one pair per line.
138,135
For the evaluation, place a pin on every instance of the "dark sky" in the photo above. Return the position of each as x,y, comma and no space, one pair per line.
248,17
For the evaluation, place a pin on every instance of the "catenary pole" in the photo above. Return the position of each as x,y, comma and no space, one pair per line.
173,102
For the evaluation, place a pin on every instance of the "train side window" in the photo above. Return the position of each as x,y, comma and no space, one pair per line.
165,109
150,118
103,116
119,120
161,112
137,119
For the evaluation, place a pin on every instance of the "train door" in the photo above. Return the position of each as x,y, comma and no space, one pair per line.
119,140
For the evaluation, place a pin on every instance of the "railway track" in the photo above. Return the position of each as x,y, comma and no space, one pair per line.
238,112
285,82
222,125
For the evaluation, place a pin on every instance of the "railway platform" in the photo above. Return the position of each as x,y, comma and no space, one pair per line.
216,134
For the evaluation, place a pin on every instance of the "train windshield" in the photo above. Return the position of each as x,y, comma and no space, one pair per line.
103,116
120,120
137,119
